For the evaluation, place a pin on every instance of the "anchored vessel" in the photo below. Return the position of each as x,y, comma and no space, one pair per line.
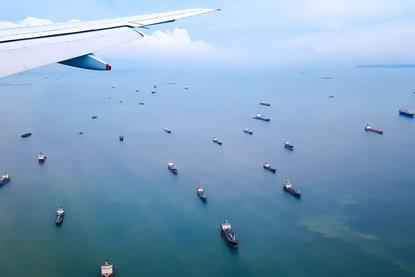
247,131
167,130
370,128
217,141
107,270
228,234
406,112
265,104
288,187
4,179
201,193
261,117
60,213
41,158
288,145
268,166
172,167
26,135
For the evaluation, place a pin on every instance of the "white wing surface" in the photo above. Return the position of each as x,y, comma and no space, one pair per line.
72,44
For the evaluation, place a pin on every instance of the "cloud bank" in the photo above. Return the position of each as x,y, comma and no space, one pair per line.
27,22
170,45
282,32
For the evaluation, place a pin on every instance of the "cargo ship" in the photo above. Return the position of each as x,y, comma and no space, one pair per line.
247,131
288,145
288,187
217,141
201,193
370,128
41,158
268,166
26,135
261,117
228,234
107,270
172,167
60,213
406,112
4,179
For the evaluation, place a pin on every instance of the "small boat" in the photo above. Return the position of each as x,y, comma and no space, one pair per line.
153,92
268,166
201,193
141,103
172,167
288,187
167,130
94,117
137,90
155,86
217,141
121,101
60,213
81,133
121,138
406,112
261,117
247,131
4,179
228,234
331,96
370,128
288,145
41,157
107,270
265,104
186,87
26,135
327,78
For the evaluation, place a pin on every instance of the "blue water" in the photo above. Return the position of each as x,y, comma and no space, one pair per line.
356,217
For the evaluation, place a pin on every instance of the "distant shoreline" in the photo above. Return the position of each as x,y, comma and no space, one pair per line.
386,66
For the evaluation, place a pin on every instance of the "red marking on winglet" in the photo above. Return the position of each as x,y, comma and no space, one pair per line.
107,67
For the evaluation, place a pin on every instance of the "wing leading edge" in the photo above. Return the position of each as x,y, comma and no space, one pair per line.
26,48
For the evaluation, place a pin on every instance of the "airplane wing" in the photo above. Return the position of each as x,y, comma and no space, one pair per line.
74,43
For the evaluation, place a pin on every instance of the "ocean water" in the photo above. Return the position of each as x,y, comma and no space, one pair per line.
356,216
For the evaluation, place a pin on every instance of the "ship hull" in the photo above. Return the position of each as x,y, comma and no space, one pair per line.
406,114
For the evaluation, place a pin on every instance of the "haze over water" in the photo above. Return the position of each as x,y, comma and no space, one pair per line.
355,217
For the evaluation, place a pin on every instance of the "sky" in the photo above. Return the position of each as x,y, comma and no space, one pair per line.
247,33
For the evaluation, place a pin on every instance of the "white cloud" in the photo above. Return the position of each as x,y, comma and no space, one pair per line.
27,22
165,44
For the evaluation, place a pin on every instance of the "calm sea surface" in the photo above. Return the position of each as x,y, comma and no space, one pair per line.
356,217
